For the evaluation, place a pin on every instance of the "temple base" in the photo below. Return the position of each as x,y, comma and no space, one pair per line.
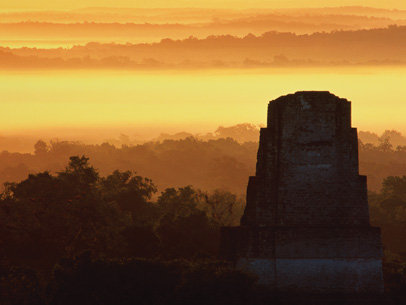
308,260
340,275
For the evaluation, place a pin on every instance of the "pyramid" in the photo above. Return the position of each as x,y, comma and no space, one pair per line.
306,224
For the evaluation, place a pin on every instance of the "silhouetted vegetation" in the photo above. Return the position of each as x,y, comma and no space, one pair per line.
86,280
75,235
48,217
388,211
382,156
146,25
383,160
207,161
140,223
268,49
220,163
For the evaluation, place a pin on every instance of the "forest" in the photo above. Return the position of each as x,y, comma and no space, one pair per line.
98,224
99,217
222,159
151,25
362,47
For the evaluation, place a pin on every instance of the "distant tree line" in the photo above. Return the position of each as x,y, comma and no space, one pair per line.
381,156
265,49
206,162
208,165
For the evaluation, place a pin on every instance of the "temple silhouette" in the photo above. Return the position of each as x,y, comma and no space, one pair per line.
306,223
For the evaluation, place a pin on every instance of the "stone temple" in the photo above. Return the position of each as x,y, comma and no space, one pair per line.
306,223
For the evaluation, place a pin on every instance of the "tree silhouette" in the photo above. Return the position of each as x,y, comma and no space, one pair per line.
394,185
40,148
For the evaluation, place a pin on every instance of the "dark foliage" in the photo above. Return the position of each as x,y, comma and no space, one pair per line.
50,218
21,286
210,164
86,281
216,284
61,218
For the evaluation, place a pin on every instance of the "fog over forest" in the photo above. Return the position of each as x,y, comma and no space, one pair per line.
145,39
115,174
224,158
156,208
270,49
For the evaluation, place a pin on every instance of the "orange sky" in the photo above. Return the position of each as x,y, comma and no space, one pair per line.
234,4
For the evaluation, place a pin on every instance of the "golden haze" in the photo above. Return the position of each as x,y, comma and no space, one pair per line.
188,100
94,71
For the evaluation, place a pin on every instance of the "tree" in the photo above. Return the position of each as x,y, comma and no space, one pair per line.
401,149
49,216
79,175
187,235
385,145
40,148
396,138
125,186
394,185
41,186
223,207
183,229
241,132
131,193
392,203
368,137
78,179
181,201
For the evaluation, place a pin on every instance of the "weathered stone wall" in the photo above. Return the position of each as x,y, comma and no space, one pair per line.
306,223
306,242
333,275
307,170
